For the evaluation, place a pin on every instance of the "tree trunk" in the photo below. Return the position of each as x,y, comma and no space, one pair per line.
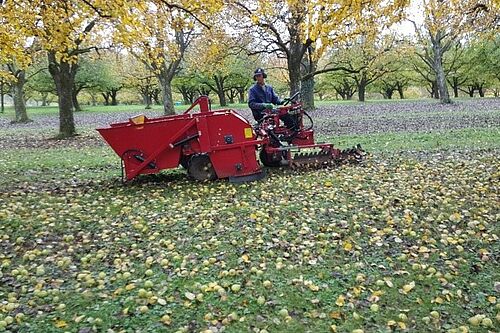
241,97
18,97
192,95
166,89
204,90
294,60
219,83
93,100
340,92
362,89
350,94
455,90
185,95
232,94
76,104
400,89
294,76
470,91
106,98
361,92
44,98
63,74
439,71
387,92
113,97
480,90
146,97
434,90
307,94
2,94
222,98
155,96
74,98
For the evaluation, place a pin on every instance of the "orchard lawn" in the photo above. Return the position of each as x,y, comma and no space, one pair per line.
406,241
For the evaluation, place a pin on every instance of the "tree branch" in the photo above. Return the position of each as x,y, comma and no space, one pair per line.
175,6
97,10
332,69
87,29
38,71
279,41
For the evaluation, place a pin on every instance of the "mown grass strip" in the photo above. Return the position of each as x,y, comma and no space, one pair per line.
469,138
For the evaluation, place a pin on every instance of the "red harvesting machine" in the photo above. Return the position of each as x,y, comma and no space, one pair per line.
213,144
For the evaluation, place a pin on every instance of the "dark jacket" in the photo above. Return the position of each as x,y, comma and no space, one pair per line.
258,95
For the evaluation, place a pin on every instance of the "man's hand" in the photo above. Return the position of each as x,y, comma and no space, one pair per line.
268,106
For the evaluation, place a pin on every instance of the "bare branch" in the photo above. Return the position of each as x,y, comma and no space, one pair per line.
279,41
35,73
175,6
425,58
332,69
97,10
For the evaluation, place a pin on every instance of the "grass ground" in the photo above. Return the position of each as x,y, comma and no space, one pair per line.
407,241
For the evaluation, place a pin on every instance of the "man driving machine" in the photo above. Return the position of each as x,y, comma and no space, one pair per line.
261,97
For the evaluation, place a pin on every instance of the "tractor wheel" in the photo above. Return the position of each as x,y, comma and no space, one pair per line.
184,162
269,160
200,168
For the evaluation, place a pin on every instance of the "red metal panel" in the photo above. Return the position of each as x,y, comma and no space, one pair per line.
166,149
149,145
233,154
204,134
146,138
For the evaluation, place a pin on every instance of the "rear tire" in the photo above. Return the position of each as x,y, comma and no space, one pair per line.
184,162
200,168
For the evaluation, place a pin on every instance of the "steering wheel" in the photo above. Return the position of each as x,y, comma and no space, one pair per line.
289,99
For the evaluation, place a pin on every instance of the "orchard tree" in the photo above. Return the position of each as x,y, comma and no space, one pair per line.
367,58
336,84
109,68
141,79
301,31
169,29
17,91
65,30
426,76
239,83
90,75
186,84
482,67
446,22
457,66
16,52
399,76
220,65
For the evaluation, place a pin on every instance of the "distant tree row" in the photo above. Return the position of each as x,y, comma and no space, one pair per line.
471,67
388,68
158,48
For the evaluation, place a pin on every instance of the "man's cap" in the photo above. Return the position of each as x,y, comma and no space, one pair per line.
259,71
